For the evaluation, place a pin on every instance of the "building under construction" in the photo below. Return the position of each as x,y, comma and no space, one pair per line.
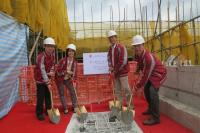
171,30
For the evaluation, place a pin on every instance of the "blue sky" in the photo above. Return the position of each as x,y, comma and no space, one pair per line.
129,7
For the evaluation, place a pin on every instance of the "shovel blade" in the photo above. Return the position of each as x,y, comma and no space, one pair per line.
81,113
114,111
80,109
115,104
83,109
126,109
127,115
54,115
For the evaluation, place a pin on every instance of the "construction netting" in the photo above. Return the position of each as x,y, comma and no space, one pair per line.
48,16
182,40
87,86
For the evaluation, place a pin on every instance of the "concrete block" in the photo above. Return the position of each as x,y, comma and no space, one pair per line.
180,96
189,99
196,83
189,78
172,77
183,85
183,114
170,93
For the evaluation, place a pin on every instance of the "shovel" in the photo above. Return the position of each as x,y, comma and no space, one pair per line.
126,115
80,110
115,105
53,113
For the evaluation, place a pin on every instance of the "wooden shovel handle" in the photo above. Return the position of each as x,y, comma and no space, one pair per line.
74,85
50,91
112,84
129,104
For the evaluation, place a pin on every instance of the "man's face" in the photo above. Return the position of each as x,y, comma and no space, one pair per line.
49,48
138,49
112,39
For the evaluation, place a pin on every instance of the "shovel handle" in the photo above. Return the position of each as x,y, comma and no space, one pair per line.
50,91
129,104
74,85
112,84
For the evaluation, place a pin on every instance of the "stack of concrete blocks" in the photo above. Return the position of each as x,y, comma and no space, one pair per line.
180,96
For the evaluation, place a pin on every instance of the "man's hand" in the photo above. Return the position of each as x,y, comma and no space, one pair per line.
51,74
70,72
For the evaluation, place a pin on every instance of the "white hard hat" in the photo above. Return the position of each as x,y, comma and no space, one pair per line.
137,40
111,33
49,41
72,46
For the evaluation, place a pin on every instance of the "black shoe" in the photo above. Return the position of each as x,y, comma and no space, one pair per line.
82,129
151,121
146,113
112,119
40,117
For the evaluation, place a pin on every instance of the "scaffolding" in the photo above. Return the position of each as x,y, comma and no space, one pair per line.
179,37
163,37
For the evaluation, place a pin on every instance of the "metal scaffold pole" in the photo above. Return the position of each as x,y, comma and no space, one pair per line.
140,16
178,11
92,23
75,18
135,17
168,16
110,18
124,18
83,18
119,19
147,26
183,11
195,47
101,22
160,28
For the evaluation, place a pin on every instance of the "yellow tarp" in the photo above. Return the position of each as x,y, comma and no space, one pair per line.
49,16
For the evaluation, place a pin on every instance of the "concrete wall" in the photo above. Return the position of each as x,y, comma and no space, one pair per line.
180,96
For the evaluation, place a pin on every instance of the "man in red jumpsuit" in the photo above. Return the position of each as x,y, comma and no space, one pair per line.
153,75
118,66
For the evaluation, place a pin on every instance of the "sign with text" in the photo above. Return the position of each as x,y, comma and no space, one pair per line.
95,63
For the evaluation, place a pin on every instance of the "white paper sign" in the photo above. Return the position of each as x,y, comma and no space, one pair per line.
95,63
